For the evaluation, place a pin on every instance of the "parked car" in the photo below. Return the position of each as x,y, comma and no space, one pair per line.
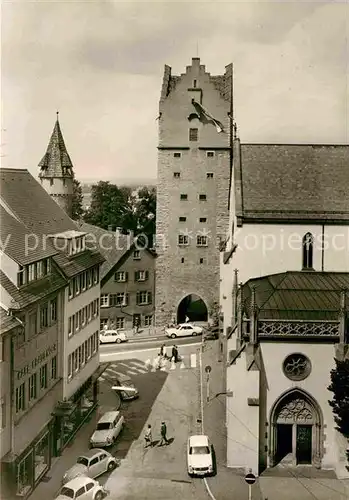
108,428
82,488
91,464
125,381
183,330
199,456
107,336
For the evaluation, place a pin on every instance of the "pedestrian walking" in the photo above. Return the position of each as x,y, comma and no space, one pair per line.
148,439
174,354
158,362
162,349
186,319
163,434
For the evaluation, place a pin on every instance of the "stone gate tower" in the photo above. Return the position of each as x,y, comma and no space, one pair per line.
194,170
56,171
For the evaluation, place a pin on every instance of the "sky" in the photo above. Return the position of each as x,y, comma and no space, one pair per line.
100,63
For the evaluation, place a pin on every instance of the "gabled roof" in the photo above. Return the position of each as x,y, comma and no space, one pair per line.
33,292
7,322
56,161
31,204
298,295
291,182
111,247
14,237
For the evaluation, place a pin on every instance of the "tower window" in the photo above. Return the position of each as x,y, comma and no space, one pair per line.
177,155
183,240
202,197
182,260
307,250
182,219
210,154
203,219
193,134
184,196
194,84
209,175
201,261
176,175
201,241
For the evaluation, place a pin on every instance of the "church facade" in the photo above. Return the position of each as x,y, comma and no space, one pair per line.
285,304
194,165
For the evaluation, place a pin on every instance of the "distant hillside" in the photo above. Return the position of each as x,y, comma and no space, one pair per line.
132,183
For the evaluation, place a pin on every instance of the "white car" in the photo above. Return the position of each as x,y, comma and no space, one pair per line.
199,456
108,428
82,488
106,336
91,464
184,330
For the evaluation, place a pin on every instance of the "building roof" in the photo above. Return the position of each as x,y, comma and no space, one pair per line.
110,244
75,264
17,243
7,322
31,204
24,296
56,161
292,182
298,295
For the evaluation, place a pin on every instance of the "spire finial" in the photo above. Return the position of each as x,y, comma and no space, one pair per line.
197,49
57,113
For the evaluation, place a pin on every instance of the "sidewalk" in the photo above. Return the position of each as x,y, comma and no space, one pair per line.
227,483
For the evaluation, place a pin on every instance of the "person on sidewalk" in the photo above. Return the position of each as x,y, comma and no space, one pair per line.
163,434
148,439
186,319
174,354
162,350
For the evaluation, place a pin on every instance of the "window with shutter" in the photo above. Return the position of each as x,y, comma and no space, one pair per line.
126,276
138,298
146,275
126,299
149,297
136,275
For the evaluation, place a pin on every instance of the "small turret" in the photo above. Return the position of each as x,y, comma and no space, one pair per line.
56,171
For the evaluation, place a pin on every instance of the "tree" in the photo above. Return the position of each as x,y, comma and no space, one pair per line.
119,207
110,206
340,402
77,208
145,211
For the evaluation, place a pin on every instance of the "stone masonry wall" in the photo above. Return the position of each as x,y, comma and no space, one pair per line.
176,279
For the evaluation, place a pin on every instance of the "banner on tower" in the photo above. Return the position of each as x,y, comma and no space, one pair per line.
206,117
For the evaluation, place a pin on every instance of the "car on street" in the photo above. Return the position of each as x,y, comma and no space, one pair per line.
108,428
183,330
109,336
125,381
199,456
82,488
91,464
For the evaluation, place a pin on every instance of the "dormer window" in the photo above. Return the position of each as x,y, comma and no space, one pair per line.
34,271
21,276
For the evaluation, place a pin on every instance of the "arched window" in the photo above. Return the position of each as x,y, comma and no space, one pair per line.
307,247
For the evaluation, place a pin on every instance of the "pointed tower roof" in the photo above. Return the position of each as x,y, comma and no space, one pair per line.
56,161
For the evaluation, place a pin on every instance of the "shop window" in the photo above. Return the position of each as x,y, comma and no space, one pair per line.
24,475
148,320
41,456
32,386
43,376
44,316
54,368
20,398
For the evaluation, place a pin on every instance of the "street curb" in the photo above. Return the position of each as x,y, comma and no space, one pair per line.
208,489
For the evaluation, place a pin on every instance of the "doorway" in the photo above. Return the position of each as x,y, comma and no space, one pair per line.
192,308
296,430
304,444
136,322
284,441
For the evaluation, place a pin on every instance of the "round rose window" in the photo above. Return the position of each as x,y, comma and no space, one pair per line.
297,366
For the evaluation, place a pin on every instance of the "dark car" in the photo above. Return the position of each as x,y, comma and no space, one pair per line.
125,381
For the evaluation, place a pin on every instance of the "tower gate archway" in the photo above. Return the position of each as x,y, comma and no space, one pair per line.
192,308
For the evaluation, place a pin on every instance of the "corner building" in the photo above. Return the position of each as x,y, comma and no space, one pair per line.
194,175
